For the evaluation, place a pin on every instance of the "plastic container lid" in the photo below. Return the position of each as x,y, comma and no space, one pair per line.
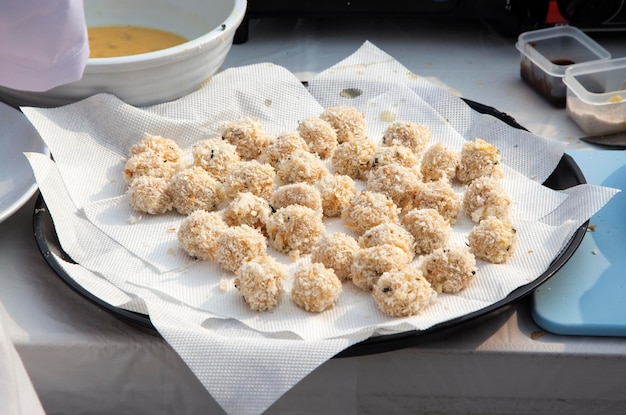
608,78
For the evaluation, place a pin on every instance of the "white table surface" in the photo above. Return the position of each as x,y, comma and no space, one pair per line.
82,360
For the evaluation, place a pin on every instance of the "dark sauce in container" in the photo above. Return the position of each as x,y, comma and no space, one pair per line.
544,83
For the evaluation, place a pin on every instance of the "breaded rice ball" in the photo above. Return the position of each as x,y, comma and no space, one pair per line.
237,245
370,263
148,163
401,184
165,147
449,270
194,188
248,135
485,197
315,288
493,240
430,230
438,195
320,136
336,191
395,154
247,209
409,134
198,233
439,163
249,176
403,293
389,233
215,156
478,158
260,282
281,146
348,122
295,229
300,167
336,251
150,195
354,158
368,209
296,194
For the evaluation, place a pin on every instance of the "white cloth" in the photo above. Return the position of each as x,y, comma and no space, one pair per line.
43,44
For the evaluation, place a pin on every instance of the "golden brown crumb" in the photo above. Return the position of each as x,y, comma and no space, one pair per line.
485,197
215,156
148,163
409,134
336,251
438,195
249,176
164,147
449,270
493,240
150,195
194,188
439,163
281,146
348,122
260,282
401,184
300,167
295,229
354,158
248,135
198,232
430,230
302,194
336,191
368,209
389,233
478,158
239,244
370,263
315,287
320,136
247,209
396,154
403,293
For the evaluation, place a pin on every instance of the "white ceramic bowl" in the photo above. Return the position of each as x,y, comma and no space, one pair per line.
155,77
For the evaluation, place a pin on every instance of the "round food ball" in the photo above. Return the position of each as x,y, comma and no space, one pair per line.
336,251
320,136
409,134
368,209
401,184
449,270
215,156
370,263
164,147
247,209
301,167
349,123
295,229
249,176
439,163
438,195
493,240
430,230
336,191
198,232
302,194
260,282
150,195
485,197
478,158
389,233
354,158
237,245
403,293
248,136
194,188
395,154
315,288
148,163
281,146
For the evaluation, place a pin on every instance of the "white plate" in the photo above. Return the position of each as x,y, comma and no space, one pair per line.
17,182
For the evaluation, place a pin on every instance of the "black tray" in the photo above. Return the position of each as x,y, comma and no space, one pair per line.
566,174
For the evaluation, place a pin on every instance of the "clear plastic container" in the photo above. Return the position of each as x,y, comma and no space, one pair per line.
547,53
596,96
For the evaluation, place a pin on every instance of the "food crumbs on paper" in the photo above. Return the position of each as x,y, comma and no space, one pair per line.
536,335
132,219
224,284
530,251
616,98
595,251
171,229
350,92
113,180
591,228
267,102
412,75
171,251
387,116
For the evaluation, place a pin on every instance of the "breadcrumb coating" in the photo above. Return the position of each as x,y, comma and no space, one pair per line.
439,163
296,194
237,245
194,188
150,195
485,197
429,229
396,154
249,176
449,270
198,233
348,122
403,293
354,158
336,251
389,233
295,229
260,282
401,184
315,288
370,263
281,146
248,135
439,195
493,240
148,163
336,191
247,209
215,156
165,147
300,166
320,136
478,158
409,134
368,209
